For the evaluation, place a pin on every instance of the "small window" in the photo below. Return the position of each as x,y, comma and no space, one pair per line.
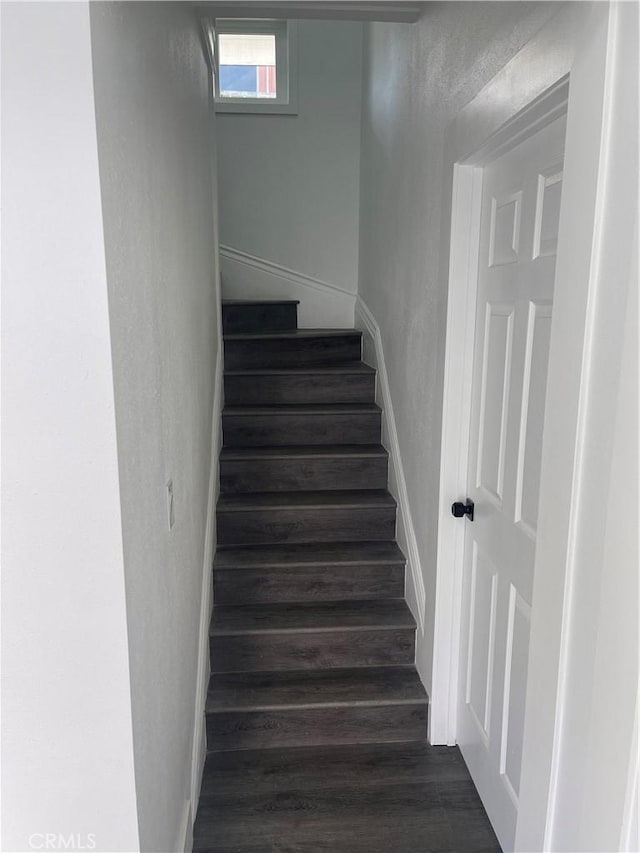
255,66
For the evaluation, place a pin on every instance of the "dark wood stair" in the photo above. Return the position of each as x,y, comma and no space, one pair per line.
326,634
311,707
324,516
340,382
331,467
243,316
365,798
281,426
312,644
292,348
331,571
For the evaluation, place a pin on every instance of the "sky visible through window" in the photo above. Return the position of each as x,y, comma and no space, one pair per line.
247,65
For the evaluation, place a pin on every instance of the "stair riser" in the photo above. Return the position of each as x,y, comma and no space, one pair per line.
288,475
233,730
250,319
307,388
352,583
312,650
291,352
350,524
279,430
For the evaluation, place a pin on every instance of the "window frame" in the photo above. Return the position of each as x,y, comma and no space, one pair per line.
286,36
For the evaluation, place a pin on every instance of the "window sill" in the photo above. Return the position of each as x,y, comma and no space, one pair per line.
239,108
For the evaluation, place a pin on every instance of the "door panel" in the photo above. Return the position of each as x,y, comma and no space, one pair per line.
515,688
534,385
518,241
481,639
494,399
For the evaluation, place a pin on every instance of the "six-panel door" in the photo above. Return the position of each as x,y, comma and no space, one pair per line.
519,228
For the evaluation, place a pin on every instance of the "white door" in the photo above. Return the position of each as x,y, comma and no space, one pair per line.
519,227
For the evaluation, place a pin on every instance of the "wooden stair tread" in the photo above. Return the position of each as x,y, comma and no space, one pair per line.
302,768
295,334
328,688
311,410
303,451
410,817
347,554
311,616
246,502
323,810
361,798
339,367
251,302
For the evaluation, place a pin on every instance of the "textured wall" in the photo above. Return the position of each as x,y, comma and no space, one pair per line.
151,89
67,751
416,78
289,185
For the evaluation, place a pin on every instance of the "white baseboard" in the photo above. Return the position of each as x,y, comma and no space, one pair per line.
322,303
416,596
630,832
199,728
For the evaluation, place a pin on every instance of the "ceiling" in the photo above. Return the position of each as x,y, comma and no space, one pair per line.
348,10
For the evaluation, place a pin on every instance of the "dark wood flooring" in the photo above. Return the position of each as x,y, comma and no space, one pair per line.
316,716
405,798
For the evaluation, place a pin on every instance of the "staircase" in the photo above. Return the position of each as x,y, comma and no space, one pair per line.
312,643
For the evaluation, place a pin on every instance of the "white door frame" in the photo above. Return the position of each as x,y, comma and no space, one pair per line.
576,46
461,323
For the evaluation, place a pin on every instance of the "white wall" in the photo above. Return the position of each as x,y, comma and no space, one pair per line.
152,109
416,79
289,185
602,685
67,763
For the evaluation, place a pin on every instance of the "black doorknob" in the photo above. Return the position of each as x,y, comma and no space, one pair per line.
459,509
